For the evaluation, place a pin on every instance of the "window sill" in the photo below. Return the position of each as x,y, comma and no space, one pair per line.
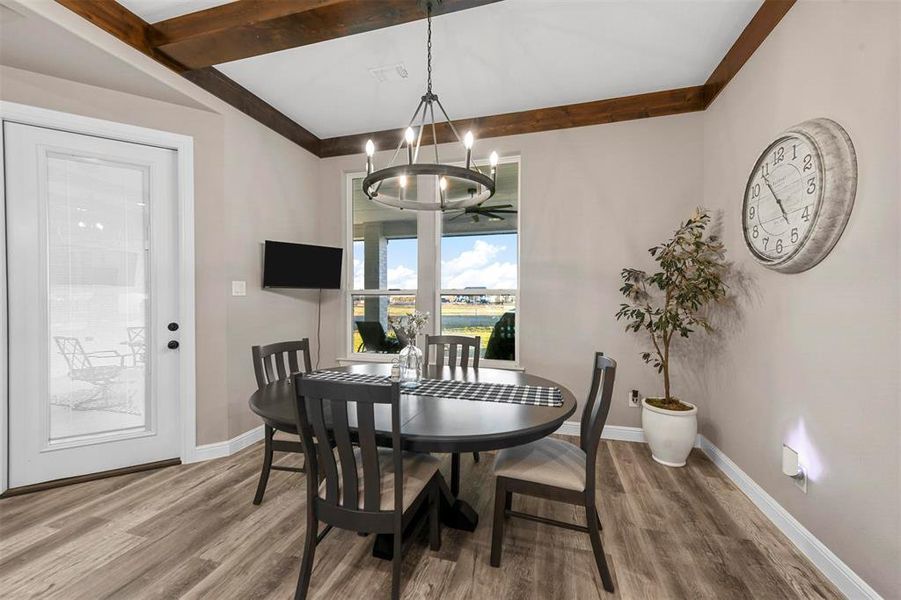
387,358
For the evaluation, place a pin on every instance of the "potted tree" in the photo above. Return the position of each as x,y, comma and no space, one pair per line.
667,304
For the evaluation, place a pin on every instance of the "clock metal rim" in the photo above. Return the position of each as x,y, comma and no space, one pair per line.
838,174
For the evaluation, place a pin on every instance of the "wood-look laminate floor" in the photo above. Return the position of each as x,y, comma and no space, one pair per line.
191,532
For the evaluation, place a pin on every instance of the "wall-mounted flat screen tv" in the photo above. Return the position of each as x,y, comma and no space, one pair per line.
287,265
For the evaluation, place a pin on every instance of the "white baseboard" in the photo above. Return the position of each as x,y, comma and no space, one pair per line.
611,432
227,447
840,574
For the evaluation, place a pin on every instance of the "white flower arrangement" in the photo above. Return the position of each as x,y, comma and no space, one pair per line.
410,325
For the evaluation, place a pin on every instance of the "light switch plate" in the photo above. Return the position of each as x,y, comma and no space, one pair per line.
239,288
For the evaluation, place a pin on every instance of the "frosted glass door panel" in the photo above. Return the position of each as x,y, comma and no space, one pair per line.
98,296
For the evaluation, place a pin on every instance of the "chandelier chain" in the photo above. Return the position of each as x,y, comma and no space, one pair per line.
429,47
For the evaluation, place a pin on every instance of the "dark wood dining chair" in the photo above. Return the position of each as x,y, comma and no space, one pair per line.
447,344
556,470
278,362
363,488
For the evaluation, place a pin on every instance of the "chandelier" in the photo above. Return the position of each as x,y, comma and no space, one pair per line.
458,187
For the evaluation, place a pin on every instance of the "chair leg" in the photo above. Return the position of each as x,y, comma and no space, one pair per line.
475,456
497,525
600,558
435,519
309,552
267,464
396,561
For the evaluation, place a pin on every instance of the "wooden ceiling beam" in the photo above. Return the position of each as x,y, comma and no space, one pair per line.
252,27
641,106
228,90
762,23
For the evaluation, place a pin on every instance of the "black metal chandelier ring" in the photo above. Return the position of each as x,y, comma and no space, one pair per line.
481,190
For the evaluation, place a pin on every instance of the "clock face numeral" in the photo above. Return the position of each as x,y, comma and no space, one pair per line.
782,198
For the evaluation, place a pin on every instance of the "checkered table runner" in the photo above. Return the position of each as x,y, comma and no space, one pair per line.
461,390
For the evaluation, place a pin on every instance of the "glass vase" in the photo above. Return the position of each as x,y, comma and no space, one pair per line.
410,359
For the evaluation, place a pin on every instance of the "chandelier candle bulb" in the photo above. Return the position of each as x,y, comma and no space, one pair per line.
467,143
492,160
409,136
402,181
370,150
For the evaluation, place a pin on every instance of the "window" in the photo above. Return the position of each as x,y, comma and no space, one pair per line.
479,269
472,289
384,271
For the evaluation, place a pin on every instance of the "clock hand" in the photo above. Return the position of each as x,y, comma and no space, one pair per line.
778,201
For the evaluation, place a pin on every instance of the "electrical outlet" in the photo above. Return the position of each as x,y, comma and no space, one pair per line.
634,400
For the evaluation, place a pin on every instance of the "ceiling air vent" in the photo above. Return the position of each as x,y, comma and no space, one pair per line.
390,73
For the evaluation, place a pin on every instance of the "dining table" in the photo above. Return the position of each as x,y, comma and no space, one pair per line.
440,425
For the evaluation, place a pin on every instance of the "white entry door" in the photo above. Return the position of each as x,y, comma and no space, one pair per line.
92,253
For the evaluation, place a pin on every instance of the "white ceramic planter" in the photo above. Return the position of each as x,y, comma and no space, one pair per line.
670,433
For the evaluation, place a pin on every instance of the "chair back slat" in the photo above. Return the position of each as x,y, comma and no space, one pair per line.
349,479
270,372
315,410
597,406
280,366
269,361
369,456
341,478
447,345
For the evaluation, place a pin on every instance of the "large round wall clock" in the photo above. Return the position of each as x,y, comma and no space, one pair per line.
799,196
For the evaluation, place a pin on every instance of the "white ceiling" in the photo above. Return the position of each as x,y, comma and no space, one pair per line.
509,56
154,11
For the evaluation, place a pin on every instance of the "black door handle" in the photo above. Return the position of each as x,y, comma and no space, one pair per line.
172,345
173,326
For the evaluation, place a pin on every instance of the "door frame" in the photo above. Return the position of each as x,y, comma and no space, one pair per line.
183,145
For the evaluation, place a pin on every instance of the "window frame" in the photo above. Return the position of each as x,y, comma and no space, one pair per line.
432,292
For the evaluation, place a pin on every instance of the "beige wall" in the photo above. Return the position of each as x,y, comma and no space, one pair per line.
250,184
815,362
593,200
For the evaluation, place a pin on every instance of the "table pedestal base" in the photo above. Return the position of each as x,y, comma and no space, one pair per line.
455,513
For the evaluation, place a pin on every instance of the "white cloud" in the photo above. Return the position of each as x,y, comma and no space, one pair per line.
474,268
358,274
402,278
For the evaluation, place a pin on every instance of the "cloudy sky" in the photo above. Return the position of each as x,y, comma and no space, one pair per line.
467,261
